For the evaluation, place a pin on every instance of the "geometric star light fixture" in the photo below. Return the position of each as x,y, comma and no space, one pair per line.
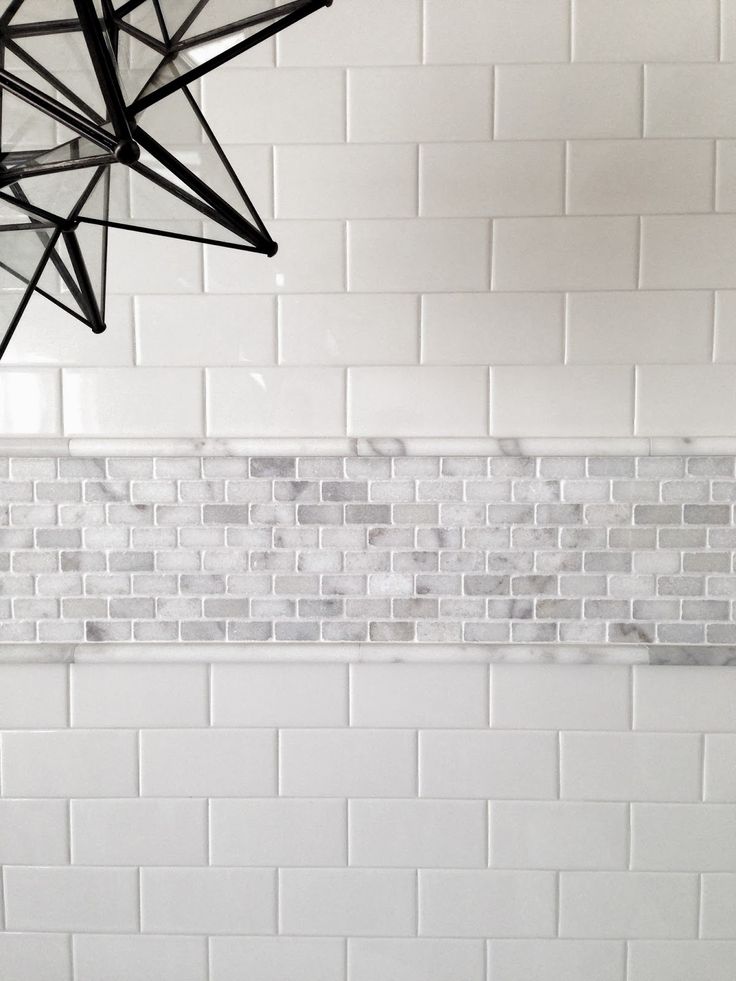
101,127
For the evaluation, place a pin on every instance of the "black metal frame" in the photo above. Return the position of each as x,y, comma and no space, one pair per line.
116,137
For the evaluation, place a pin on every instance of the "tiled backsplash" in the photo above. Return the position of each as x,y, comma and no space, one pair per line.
512,218
427,549
359,822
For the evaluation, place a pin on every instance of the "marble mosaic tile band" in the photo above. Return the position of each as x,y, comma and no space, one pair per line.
353,550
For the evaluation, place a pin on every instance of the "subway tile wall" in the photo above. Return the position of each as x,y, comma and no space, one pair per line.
576,550
344,822
486,208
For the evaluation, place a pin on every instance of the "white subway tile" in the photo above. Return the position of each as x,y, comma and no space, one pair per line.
496,31
287,106
554,835
628,904
137,958
202,330
640,177
685,960
30,402
551,960
138,263
646,30
348,763
725,339
35,957
280,695
725,174
728,30
685,400
431,401
678,699
311,259
419,695
142,402
467,180
657,327
415,960
488,764
630,766
208,763
425,255
409,105
139,832
548,401
418,834
49,336
553,102
486,904
492,328
718,913
33,696
208,901
542,696
346,181
67,900
720,768
683,837
70,764
348,329
353,902
33,832
565,253
688,251
690,100
276,958
275,401
279,832
139,695
355,33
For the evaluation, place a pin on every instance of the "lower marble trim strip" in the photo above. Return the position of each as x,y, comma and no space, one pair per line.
655,654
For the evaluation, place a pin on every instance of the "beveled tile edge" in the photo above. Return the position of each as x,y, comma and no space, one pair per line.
623,654
365,447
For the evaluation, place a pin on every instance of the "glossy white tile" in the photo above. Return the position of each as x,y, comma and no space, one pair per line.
208,763
488,903
135,696
418,834
83,763
133,402
213,901
402,401
275,402
279,832
280,695
138,958
71,900
418,695
30,402
272,959
205,330
348,329
139,832
354,902
488,764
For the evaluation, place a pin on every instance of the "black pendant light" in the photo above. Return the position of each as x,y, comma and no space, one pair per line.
101,127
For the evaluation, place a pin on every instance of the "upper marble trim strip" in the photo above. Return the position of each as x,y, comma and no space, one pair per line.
527,446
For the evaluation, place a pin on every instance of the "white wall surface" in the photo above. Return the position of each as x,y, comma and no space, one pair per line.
353,822
504,217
